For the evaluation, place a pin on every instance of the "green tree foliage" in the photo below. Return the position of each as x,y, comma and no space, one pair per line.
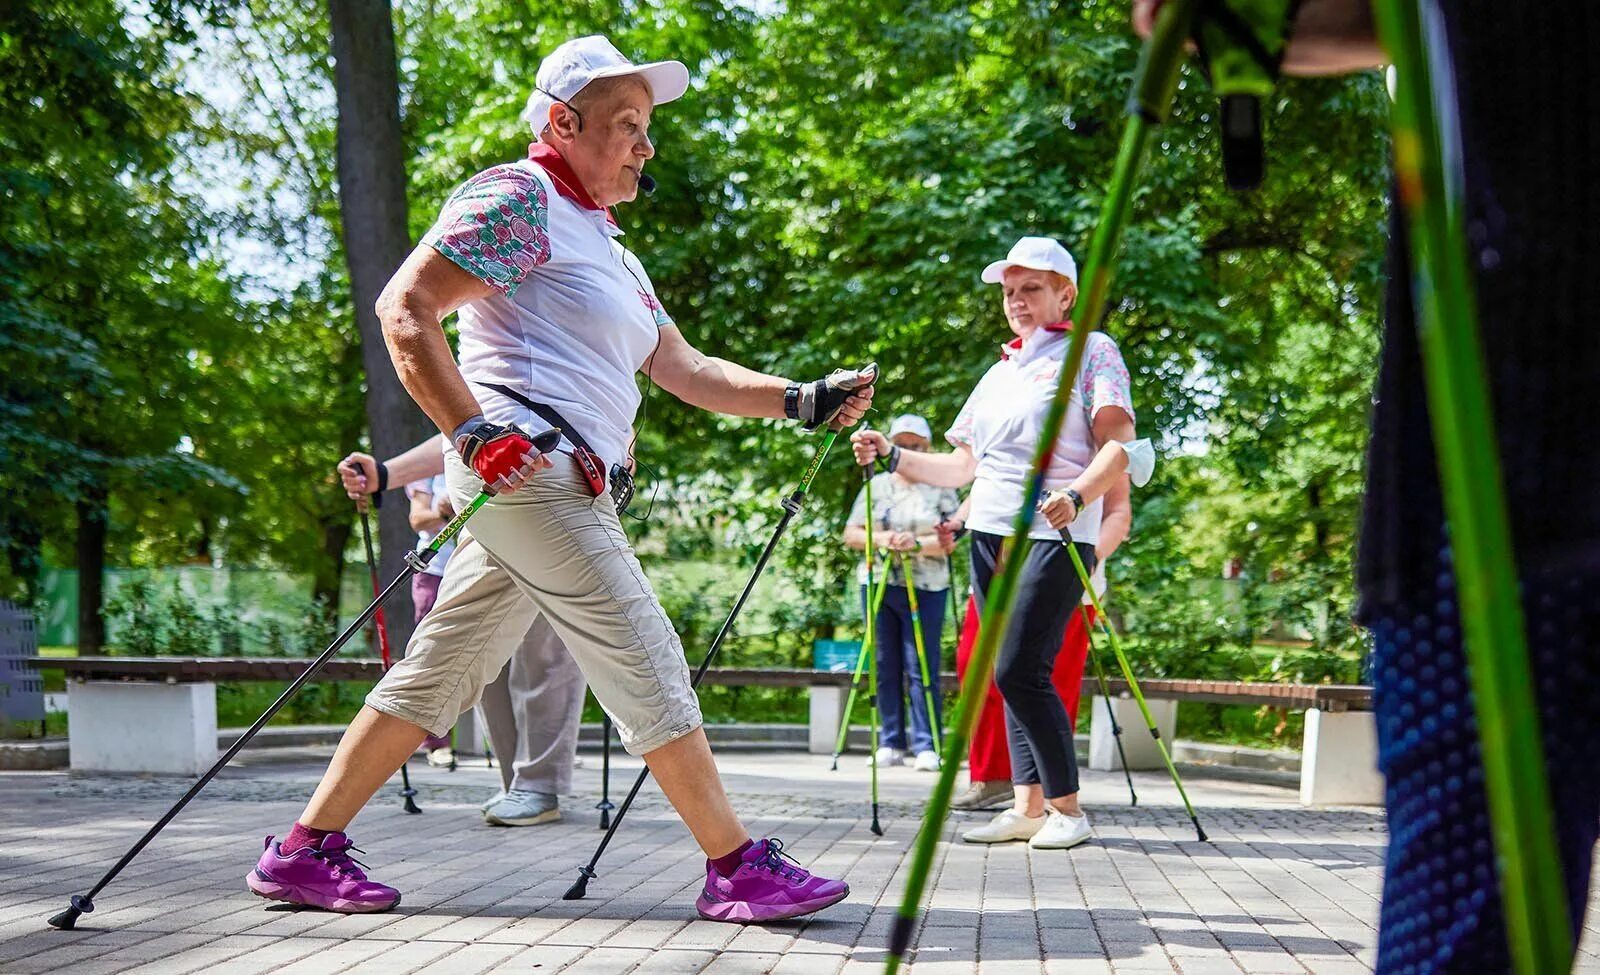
830,187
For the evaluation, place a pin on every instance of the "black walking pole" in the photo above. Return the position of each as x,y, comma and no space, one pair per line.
415,562
408,795
791,507
1111,710
605,805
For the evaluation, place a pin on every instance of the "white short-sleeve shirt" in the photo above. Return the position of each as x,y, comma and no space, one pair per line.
1004,417
574,316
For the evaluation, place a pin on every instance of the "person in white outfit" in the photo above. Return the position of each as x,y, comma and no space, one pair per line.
995,437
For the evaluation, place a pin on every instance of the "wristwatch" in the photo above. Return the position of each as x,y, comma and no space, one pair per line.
1076,499
791,401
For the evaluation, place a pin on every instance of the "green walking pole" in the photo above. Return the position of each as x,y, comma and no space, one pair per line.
874,603
1515,776
1133,685
1155,82
1105,692
869,649
922,658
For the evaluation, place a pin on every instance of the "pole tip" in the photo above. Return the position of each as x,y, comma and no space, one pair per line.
411,807
68,919
1199,831
579,887
876,829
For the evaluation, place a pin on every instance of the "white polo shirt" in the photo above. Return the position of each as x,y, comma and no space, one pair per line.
1004,417
574,315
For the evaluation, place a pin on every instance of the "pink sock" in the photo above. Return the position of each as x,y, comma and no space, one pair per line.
301,837
724,865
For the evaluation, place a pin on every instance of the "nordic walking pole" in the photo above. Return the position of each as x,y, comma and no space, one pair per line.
869,649
1133,683
874,601
415,562
605,805
1516,780
922,659
791,507
1111,711
407,793
1155,82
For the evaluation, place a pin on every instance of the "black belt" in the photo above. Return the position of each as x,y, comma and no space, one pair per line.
590,462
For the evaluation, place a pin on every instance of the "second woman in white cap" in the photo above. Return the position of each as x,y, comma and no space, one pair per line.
995,437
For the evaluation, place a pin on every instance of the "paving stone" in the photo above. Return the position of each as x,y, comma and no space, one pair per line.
1281,889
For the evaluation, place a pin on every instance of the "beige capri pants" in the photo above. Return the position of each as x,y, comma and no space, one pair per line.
550,549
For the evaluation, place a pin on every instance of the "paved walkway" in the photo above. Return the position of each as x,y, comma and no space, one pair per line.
1278,889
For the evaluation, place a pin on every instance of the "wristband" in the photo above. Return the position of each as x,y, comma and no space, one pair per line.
791,401
1077,501
894,458
461,431
383,477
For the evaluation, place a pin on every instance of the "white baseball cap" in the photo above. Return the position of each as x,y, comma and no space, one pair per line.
910,423
566,70
1039,253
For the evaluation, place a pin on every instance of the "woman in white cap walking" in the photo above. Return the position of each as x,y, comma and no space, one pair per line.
995,437
905,520
556,318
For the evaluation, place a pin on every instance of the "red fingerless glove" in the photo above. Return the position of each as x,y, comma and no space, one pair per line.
494,451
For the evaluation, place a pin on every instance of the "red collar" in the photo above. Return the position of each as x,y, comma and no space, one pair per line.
1015,345
566,181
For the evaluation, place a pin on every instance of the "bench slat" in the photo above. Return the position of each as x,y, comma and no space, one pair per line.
1326,697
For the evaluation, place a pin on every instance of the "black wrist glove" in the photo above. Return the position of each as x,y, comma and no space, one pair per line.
817,403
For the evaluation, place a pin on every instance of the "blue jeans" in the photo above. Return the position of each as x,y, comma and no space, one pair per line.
899,673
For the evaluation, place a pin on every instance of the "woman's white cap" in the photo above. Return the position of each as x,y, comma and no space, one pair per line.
567,69
1039,253
910,423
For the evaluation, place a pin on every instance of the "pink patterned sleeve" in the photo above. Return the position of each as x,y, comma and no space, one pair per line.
496,226
960,432
1104,379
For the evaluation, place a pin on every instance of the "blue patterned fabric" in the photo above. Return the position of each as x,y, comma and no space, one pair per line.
1441,902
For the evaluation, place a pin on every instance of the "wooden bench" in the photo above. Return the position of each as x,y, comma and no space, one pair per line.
158,714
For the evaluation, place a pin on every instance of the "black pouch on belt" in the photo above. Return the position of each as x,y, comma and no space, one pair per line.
589,462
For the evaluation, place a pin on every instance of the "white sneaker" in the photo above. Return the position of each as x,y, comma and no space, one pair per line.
1060,831
886,757
577,761
1006,827
441,757
927,761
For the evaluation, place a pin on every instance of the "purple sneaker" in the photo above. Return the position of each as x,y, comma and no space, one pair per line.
768,886
324,876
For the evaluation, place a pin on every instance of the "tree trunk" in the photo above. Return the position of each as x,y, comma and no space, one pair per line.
329,568
91,558
372,207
